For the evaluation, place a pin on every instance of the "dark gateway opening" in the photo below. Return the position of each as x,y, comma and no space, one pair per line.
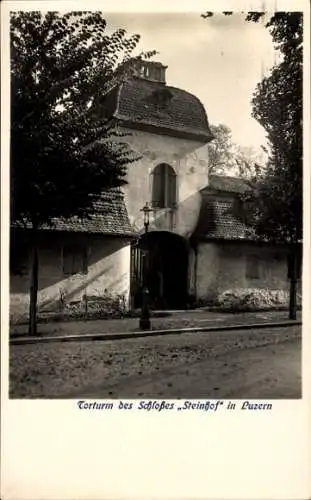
166,269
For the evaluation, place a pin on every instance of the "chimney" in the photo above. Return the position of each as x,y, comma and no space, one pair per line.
151,71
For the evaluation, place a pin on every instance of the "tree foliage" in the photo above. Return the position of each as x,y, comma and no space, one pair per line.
277,106
225,157
62,148
276,203
65,150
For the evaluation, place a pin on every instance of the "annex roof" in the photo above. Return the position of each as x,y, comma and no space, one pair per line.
226,184
109,217
222,215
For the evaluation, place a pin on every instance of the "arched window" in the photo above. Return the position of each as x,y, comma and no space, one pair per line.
164,187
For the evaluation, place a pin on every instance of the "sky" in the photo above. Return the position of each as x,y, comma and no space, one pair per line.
220,60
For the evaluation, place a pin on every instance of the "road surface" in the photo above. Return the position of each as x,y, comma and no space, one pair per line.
259,364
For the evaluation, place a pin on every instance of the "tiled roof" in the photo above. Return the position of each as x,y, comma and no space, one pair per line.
157,105
219,221
228,184
221,217
109,217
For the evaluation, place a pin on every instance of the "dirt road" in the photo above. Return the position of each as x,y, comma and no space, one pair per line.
242,364
272,371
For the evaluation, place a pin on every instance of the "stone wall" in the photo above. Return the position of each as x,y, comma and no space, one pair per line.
222,266
207,271
108,268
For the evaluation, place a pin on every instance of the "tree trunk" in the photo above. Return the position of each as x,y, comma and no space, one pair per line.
32,327
293,283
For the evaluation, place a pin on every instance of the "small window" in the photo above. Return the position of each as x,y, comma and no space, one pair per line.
74,260
19,261
290,265
164,187
252,267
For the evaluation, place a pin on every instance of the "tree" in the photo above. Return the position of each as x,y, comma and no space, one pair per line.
64,151
277,105
227,158
276,201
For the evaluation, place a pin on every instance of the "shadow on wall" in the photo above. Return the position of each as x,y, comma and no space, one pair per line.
71,266
197,215
75,265
181,220
188,158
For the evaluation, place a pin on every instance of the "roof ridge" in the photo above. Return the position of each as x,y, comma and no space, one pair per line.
229,177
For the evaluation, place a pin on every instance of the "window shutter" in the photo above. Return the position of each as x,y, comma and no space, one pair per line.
85,263
19,259
297,262
75,260
158,187
155,188
164,186
252,267
171,192
67,261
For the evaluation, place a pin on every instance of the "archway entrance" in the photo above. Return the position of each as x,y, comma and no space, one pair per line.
166,270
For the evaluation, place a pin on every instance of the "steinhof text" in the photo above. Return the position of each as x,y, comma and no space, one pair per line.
187,405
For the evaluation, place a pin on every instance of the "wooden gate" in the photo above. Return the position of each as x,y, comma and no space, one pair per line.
136,285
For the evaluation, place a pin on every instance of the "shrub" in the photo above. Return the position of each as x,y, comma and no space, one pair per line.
104,306
253,299
18,317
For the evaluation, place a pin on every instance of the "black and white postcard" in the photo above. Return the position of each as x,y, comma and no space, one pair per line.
155,250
